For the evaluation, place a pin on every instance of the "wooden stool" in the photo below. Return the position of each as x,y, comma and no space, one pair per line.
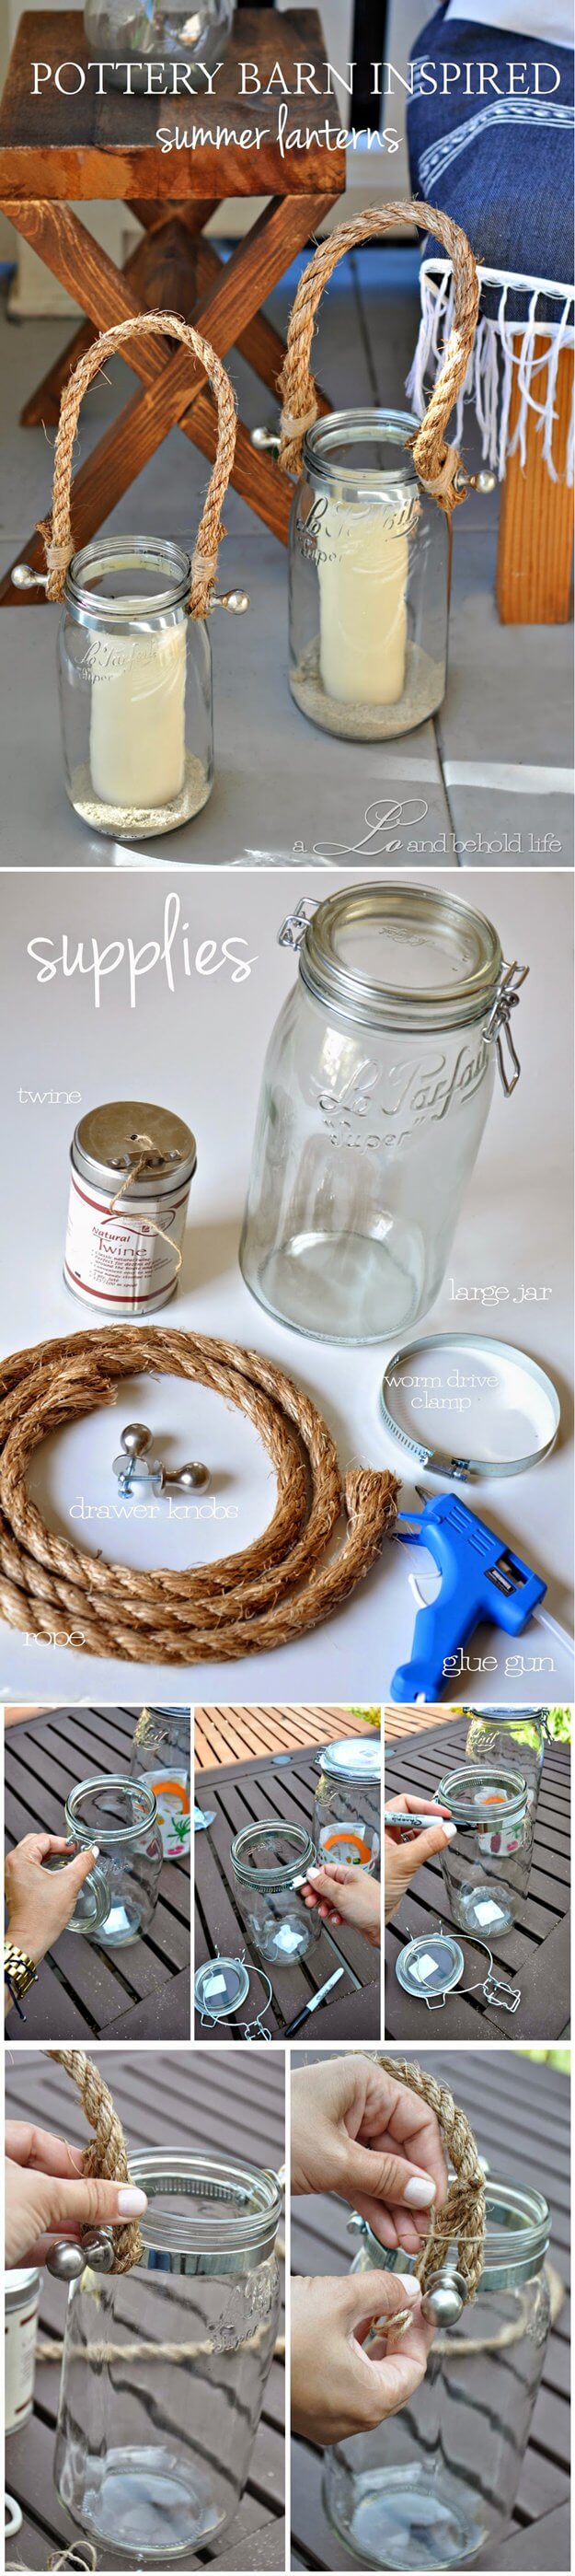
57,148
536,524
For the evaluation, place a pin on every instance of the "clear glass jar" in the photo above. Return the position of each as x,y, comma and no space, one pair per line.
437,2482
269,1862
135,681
165,2367
347,1811
121,1817
161,1757
144,31
368,580
375,1092
487,1866
510,1735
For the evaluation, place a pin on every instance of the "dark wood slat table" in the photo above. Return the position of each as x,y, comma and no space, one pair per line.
535,1954
57,149
143,1991
520,2112
283,1788
195,2099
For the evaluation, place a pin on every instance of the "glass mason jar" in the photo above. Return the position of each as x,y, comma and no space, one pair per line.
375,1092
347,1811
269,1862
135,682
121,1816
368,580
510,1735
486,1868
165,2366
437,2482
161,1757
145,31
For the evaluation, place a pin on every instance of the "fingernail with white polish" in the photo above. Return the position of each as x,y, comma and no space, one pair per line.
449,1830
409,2284
315,1873
419,2192
131,2202
95,1851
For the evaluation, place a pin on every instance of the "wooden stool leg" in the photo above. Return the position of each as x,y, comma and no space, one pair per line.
536,525
145,268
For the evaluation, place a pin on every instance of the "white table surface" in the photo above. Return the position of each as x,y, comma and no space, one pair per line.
200,1050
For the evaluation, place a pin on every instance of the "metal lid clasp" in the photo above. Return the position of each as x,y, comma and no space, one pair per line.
499,1024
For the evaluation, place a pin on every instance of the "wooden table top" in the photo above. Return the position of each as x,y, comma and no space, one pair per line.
236,1734
535,1954
198,2099
520,2112
142,1992
75,144
283,1787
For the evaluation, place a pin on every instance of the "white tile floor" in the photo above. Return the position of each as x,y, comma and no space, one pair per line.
488,784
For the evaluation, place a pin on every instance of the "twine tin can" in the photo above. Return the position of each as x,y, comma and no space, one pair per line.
131,1168
21,2304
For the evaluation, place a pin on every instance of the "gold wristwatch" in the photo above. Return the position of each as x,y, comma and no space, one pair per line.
19,1970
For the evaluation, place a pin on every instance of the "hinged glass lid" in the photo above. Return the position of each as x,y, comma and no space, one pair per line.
205,2213
401,956
355,1757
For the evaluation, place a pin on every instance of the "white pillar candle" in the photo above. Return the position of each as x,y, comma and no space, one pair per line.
363,564
137,717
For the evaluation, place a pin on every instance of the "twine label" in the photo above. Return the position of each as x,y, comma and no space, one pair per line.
116,1257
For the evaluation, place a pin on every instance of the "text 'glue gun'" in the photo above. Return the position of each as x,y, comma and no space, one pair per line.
481,1579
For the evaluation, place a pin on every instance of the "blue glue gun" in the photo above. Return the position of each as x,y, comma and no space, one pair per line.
481,1579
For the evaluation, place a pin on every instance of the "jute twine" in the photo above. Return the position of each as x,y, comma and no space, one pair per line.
436,463
107,2158
138,1164
258,1599
462,2219
57,530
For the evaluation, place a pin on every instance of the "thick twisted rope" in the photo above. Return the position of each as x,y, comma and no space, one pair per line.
437,464
260,1598
107,2158
462,2219
57,531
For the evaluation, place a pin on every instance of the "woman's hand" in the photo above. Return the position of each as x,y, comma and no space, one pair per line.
338,2386
40,1901
402,1858
346,1895
47,2196
358,2132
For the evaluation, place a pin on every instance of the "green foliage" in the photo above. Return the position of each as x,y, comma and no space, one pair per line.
372,1716
559,1723
558,2057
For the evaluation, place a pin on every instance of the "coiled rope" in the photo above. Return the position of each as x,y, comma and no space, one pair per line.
262,1597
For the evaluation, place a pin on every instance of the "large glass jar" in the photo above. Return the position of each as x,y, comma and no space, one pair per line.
368,580
121,1817
486,1867
347,1811
510,1735
437,2482
156,31
165,2366
375,1092
161,1757
269,1862
135,680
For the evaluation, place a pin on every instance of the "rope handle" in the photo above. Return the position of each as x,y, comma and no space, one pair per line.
437,464
107,2157
57,531
462,2218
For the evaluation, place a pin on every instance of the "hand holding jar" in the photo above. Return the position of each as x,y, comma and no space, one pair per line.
41,1901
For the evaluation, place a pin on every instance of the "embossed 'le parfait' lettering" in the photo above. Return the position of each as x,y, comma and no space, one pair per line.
422,1092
